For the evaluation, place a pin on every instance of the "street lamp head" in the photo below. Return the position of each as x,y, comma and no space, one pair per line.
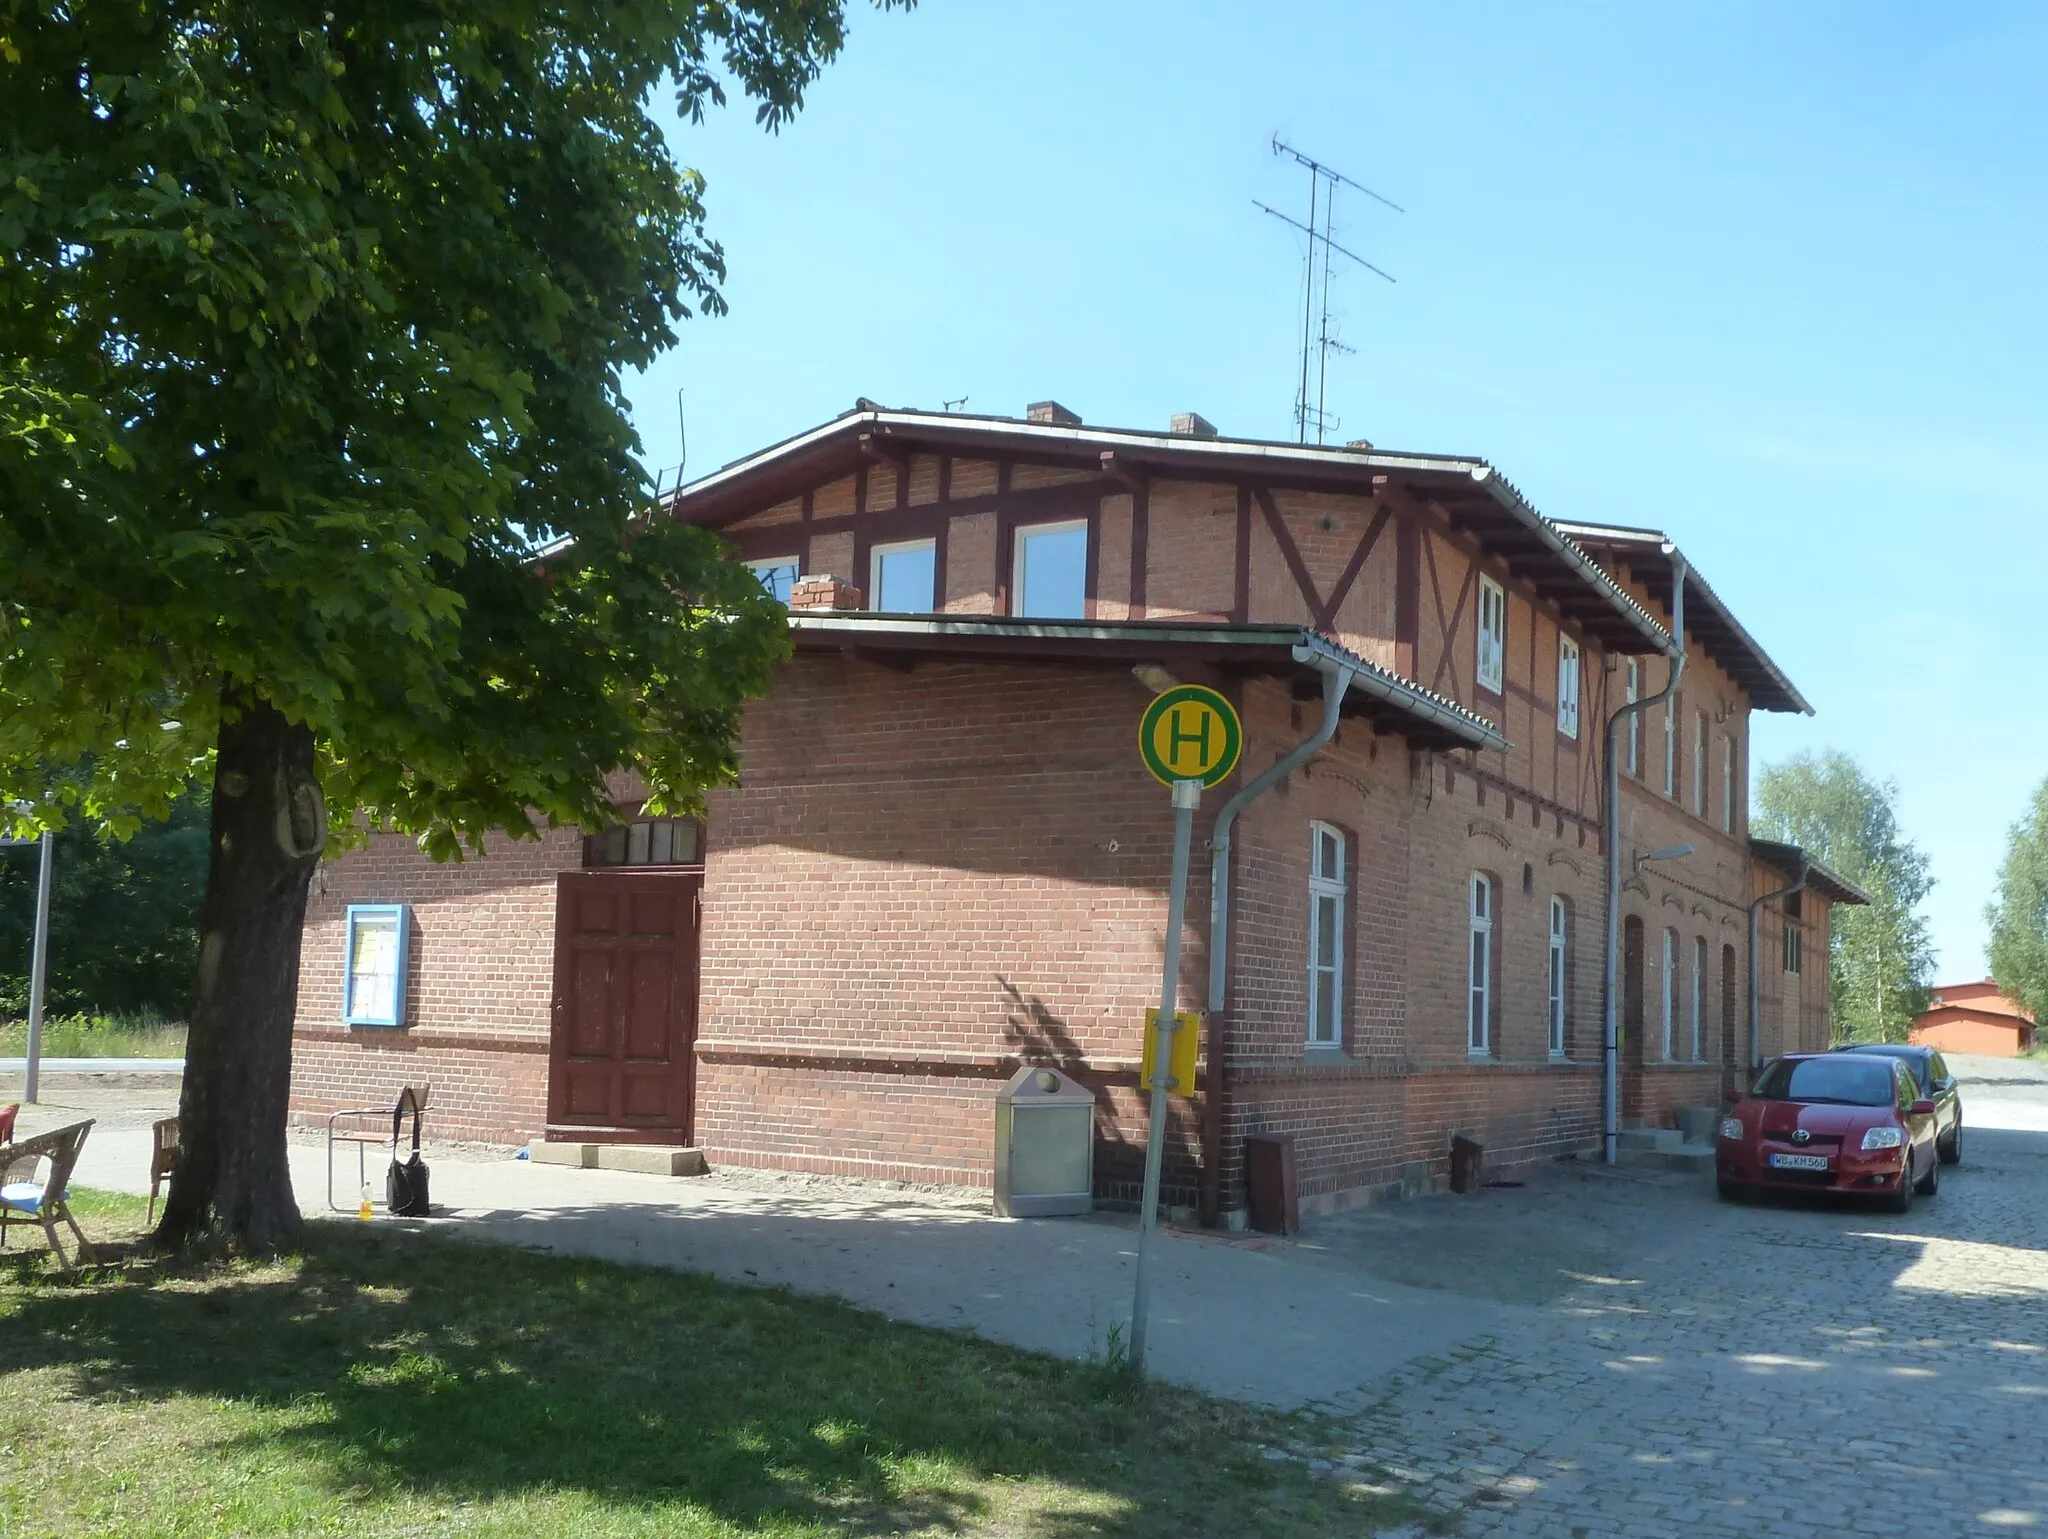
1154,677
1669,852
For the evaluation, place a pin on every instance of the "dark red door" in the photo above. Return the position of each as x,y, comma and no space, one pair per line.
625,1007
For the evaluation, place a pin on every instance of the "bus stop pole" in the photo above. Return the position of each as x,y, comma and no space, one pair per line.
38,972
1187,796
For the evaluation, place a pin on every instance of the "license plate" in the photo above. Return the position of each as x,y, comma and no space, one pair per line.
1799,1162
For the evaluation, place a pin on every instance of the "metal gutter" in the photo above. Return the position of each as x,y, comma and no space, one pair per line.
1622,536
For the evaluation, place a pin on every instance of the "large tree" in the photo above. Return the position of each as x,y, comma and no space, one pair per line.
1880,960
313,320
2018,915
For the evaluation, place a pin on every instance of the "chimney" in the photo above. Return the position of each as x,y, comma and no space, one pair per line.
1192,424
1051,412
823,592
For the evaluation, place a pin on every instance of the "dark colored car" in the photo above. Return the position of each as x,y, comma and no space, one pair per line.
1937,1084
1851,1124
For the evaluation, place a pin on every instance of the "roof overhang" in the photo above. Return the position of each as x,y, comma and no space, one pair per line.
1290,652
1790,858
1706,617
1474,496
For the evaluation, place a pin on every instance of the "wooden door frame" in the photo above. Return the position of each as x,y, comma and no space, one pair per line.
557,1131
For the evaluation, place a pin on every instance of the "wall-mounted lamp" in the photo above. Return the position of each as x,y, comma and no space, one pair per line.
1154,677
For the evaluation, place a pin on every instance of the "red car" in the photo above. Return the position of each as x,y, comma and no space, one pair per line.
1850,1124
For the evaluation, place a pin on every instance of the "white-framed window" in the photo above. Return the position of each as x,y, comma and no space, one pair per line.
1559,938
1792,945
1634,670
1698,1008
903,578
1671,746
377,940
1051,579
1699,764
1670,992
1326,893
1479,1007
1567,686
644,842
1728,784
1493,634
777,576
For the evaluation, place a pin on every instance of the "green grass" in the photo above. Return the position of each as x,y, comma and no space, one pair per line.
388,1383
97,1036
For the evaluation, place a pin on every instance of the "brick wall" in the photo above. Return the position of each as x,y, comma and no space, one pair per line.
922,879
478,986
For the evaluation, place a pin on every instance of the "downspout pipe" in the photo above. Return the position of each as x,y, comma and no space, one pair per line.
1756,1030
1610,1067
1337,679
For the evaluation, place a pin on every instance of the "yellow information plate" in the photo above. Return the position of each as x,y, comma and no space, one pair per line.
1187,1033
1190,733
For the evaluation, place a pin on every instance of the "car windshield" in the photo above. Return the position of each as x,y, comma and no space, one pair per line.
1839,1081
1919,1063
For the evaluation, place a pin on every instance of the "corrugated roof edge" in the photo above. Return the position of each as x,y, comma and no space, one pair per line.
1627,534
1498,486
1305,645
1784,857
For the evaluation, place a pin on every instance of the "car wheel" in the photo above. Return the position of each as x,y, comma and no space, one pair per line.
1729,1191
1952,1151
1930,1183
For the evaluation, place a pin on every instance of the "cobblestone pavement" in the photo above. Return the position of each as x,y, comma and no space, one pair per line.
1769,1368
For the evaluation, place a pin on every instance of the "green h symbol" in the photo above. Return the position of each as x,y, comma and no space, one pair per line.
1175,736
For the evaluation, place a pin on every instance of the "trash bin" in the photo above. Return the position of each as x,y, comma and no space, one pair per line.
1270,1190
1045,1146
1468,1157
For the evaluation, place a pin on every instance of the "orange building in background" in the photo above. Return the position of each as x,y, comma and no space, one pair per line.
1975,1018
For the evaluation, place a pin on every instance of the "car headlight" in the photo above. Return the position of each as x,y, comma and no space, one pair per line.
1883,1138
1731,1127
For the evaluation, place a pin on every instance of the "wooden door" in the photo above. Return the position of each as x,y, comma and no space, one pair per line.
625,1005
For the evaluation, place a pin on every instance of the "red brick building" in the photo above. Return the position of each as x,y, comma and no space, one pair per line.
1975,1018
944,857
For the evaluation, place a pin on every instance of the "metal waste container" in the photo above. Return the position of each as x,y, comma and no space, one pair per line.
1045,1146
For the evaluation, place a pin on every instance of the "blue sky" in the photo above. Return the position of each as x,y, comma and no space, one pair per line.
1769,277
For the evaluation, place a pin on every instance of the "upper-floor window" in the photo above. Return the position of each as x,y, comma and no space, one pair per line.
1728,784
1671,746
902,579
1051,580
777,576
1560,921
1326,892
1493,634
1479,1005
1634,671
1699,764
1567,686
1793,943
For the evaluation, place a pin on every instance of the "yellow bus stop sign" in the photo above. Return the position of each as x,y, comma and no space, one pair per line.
1180,1067
1190,733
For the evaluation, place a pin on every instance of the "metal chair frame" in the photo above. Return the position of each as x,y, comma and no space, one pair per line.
363,1137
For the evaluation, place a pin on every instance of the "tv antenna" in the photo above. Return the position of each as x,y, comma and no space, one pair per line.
1316,342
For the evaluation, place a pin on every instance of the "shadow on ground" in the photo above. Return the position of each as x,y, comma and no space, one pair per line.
466,1372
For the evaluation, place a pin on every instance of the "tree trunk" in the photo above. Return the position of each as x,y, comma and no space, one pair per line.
233,1183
